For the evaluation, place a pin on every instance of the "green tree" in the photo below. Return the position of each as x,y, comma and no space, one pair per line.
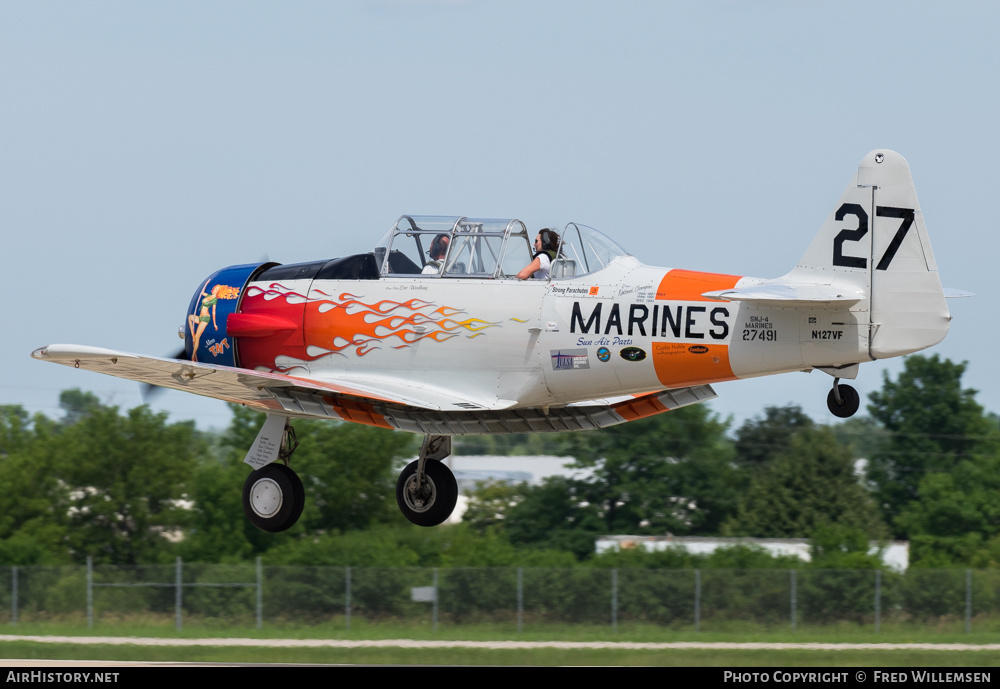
406,545
739,557
759,440
862,435
667,473
555,515
350,473
509,444
835,546
218,530
808,486
95,483
33,521
78,405
127,480
956,520
934,424
15,430
489,504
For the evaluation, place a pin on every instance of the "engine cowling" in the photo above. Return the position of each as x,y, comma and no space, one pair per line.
227,326
208,331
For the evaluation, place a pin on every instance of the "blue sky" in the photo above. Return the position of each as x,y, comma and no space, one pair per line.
144,145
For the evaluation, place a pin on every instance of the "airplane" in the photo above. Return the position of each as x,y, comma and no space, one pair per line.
455,343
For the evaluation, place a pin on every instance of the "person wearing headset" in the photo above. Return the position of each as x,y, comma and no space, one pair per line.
439,247
546,244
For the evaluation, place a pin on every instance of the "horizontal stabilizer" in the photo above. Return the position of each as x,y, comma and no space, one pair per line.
790,293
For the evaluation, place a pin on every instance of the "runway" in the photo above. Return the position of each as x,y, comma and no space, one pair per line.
412,643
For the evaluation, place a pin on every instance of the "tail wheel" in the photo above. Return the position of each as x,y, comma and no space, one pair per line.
843,401
273,497
431,502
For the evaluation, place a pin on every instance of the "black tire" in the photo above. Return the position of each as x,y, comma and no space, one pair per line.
273,498
850,401
435,503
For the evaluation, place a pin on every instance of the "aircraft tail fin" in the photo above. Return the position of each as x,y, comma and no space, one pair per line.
875,240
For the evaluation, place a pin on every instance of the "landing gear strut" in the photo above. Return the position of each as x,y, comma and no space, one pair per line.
273,495
843,400
427,491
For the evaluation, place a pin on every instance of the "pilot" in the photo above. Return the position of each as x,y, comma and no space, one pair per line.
439,247
546,244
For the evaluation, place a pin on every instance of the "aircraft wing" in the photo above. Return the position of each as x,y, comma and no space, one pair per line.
389,404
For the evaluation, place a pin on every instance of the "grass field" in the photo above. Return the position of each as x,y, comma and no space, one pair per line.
270,652
536,657
164,626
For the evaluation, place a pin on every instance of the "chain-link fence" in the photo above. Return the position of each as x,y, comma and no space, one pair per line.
253,595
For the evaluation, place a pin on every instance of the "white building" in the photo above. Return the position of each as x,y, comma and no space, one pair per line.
895,555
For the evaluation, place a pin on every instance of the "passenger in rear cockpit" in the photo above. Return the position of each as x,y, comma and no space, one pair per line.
439,247
546,244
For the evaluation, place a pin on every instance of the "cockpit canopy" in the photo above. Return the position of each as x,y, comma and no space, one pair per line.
484,248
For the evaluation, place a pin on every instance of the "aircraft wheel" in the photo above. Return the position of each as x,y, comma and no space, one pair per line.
273,497
431,503
850,400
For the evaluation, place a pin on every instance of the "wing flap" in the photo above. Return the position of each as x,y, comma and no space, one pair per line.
580,416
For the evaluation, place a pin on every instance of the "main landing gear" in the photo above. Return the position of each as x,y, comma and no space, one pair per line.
843,400
273,496
427,491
